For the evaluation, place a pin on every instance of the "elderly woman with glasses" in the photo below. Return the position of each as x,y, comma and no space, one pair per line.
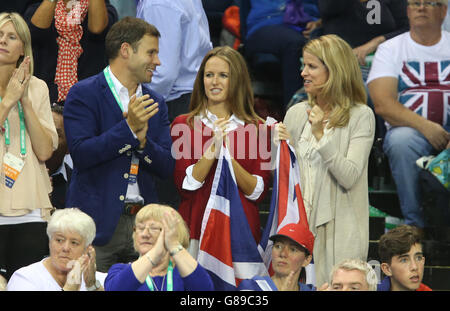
161,238
71,264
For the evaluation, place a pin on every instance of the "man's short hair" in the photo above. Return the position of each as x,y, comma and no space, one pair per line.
360,265
128,29
398,241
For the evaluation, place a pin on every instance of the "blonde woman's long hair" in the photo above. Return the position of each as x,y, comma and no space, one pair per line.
240,93
23,31
344,87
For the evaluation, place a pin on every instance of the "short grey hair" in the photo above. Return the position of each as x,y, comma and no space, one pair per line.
72,220
360,265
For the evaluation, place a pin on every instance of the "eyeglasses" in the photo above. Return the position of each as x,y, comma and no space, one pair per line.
426,4
140,228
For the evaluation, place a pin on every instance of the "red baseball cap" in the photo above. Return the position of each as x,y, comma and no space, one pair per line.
298,233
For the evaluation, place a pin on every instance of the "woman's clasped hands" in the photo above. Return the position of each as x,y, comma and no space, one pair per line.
167,239
83,267
220,133
18,84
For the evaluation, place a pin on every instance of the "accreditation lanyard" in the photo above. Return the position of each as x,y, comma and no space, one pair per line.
111,86
23,147
149,282
134,161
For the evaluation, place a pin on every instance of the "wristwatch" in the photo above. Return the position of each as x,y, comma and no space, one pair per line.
94,287
175,250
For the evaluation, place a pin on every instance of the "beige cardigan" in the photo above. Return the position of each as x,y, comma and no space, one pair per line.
32,187
339,222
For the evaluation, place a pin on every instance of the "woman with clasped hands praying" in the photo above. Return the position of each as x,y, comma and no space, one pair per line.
160,237
332,134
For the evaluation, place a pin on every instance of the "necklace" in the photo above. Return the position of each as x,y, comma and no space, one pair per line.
152,285
162,284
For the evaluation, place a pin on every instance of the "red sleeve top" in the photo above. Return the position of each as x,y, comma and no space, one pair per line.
249,146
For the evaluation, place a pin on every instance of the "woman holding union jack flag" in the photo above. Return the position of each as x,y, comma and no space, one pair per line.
221,110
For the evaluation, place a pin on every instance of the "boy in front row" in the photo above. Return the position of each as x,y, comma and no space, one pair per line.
402,260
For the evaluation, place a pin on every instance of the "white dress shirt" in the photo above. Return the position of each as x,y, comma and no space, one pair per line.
133,193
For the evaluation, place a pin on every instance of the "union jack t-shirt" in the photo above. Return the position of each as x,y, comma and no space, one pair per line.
423,74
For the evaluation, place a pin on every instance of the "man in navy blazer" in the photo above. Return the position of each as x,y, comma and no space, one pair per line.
118,135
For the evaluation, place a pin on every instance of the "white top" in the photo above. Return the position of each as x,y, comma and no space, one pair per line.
36,277
422,73
133,192
308,150
62,169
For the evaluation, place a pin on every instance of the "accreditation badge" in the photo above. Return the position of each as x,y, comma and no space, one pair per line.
12,166
134,169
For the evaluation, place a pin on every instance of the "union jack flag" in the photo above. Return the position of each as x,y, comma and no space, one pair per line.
286,206
424,88
228,250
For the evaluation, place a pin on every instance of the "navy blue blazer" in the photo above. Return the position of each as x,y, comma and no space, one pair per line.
101,145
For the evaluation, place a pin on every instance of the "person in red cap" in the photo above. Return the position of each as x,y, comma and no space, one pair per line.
291,252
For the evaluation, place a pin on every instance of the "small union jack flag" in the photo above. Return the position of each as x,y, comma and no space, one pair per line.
424,88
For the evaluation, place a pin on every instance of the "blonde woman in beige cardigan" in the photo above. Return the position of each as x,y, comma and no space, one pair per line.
332,134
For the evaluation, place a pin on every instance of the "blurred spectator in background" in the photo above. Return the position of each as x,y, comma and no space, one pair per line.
68,41
125,7
18,6
273,29
214,10
409,87
362,26
184,42
60,164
